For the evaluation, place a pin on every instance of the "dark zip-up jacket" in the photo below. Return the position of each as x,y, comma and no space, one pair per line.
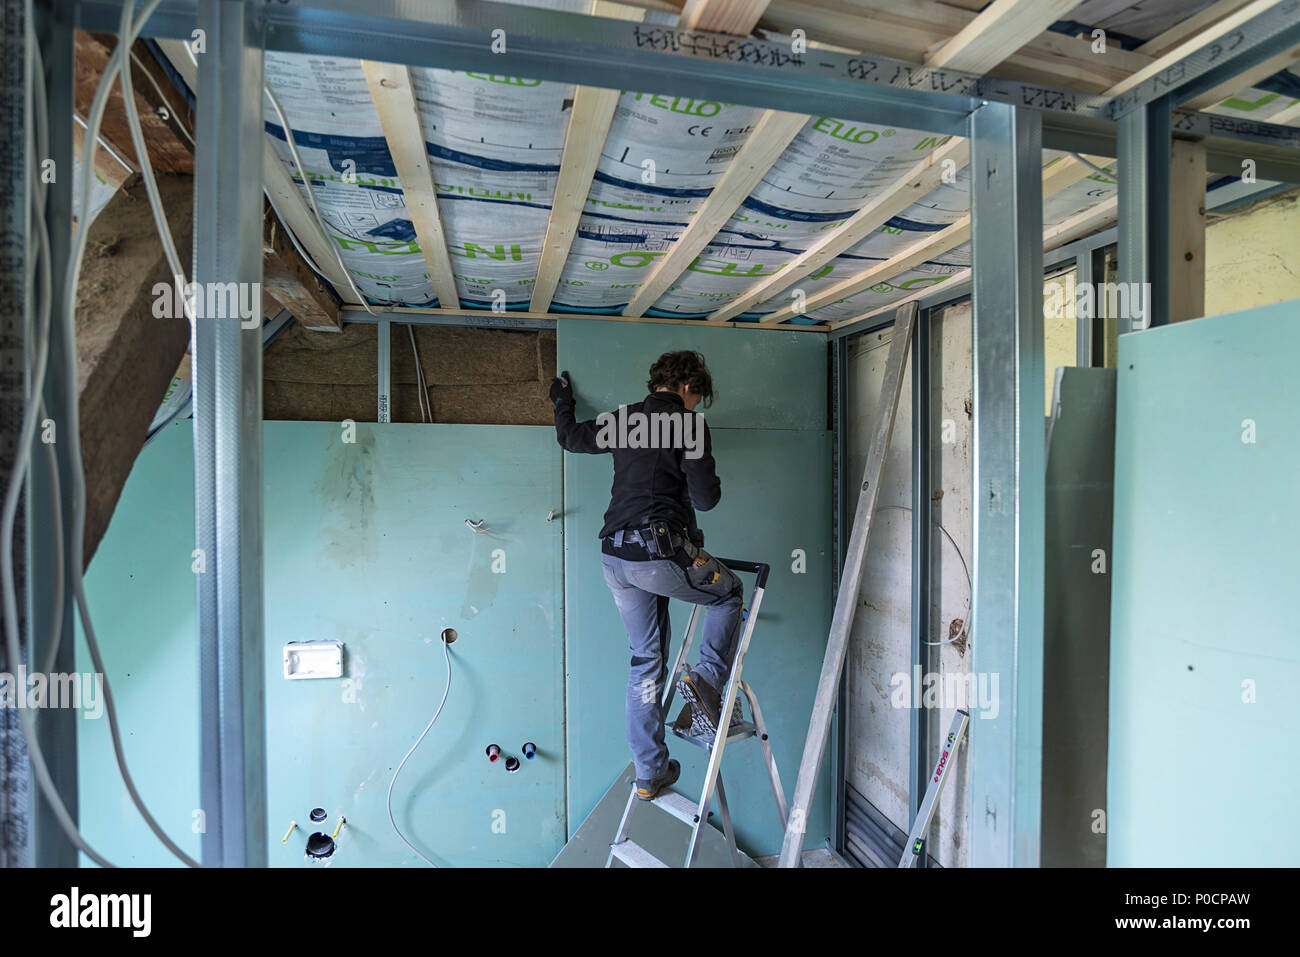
650,484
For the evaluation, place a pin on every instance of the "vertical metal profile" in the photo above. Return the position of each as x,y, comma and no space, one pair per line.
1005,756
385,371
56,731
839,355
1144,137
846,599
228,439
919,719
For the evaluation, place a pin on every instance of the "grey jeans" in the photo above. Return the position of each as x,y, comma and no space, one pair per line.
641,591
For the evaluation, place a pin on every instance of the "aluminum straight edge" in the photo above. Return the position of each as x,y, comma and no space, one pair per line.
575,48
1083,320
385,371
919,717
227,360
839,357
1005,752
56,731
846,599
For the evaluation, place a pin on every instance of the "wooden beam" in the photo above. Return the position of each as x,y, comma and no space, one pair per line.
1195,42
107,166
1056,177
910,32
921,179
292,208
592,112
589,119
130,337
1084,224
1180,31
170,150
737,17
771,135
1244,81
1187,231
394,97
998,31
291,282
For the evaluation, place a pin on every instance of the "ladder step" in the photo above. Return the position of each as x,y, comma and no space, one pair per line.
634,855
678,805
743,731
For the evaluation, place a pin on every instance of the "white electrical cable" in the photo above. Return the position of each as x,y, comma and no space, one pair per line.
969,585
446,650
37,144
163,96
419,377
128,32
311,193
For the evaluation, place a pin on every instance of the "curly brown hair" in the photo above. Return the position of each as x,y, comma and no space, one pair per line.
672,370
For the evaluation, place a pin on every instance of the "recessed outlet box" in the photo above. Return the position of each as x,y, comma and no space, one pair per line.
313,659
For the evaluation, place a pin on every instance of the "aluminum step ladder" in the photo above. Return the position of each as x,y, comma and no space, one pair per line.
694,814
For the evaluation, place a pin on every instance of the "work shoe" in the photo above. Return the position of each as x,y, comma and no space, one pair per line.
706,704
648,790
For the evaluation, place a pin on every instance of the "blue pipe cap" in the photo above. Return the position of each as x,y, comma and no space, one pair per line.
530,750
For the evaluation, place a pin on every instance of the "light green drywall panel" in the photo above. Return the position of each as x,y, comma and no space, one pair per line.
762,378
1204,657
365,543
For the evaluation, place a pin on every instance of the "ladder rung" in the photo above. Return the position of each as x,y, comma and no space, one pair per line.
678,805
634,855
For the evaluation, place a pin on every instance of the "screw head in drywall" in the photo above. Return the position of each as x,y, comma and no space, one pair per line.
530,750
512,764
493,752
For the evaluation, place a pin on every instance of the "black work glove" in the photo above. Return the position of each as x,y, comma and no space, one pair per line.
561,389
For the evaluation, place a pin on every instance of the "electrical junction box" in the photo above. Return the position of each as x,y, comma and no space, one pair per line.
313,659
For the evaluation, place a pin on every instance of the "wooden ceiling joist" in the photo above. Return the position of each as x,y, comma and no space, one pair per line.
589,120
737,17
1188,27
988,39
394,97
1244,81
1084,224
1056,177
921,179
772,134
1192,44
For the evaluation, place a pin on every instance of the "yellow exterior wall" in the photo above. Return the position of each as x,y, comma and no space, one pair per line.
1252,256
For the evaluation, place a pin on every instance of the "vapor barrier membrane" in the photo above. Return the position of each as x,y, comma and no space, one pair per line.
495,144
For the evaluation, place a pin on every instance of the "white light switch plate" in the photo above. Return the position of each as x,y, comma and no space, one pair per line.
313,659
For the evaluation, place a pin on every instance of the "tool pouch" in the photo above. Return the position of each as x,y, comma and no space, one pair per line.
659,540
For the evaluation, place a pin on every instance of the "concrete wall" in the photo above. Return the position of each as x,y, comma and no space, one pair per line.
880,647
773,453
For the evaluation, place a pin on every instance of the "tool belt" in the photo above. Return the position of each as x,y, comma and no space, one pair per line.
655,541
